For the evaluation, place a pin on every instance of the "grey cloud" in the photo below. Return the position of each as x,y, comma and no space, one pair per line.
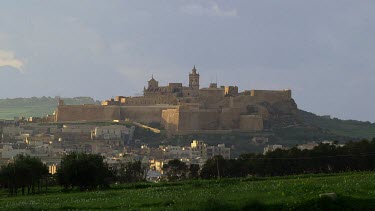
209,8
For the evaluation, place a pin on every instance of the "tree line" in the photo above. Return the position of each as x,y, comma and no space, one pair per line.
26,174
325,158
29,175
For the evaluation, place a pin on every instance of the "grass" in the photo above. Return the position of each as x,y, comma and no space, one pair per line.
355,191
25,111
36,107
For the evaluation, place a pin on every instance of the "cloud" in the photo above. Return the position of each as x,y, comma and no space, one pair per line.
212,9
7,59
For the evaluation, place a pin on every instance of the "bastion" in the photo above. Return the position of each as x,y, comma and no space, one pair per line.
188,109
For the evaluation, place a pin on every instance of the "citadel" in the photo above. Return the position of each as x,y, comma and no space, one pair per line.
189,109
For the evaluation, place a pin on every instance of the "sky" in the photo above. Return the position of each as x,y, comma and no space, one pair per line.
323,50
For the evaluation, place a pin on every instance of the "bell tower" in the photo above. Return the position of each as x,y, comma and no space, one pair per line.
152,83
194,79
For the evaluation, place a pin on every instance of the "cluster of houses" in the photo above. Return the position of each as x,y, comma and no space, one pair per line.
116,142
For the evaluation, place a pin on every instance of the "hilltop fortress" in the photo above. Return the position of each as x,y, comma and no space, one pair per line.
189,109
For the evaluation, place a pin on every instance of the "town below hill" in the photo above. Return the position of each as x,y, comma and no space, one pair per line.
293,138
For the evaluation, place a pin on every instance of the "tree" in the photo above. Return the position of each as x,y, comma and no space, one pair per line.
175,170
194,171
24,172
215,167
86,171
131,172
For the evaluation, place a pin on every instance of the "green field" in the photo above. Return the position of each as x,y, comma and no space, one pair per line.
36,107
355,191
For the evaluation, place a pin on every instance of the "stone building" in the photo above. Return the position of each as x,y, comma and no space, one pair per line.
200,150
189,109
113,132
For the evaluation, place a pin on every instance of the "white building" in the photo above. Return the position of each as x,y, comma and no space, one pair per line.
8,152
13,131
220,149
271,148
113,132
259,140
198,149
77,128
312,145
307,146
175,152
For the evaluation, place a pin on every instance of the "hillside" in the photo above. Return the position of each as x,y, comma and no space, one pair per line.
351,128
36,106
301,192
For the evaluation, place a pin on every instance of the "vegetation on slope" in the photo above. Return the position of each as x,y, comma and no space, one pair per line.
36,106
350,128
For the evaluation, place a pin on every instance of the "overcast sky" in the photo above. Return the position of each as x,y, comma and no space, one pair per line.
324,50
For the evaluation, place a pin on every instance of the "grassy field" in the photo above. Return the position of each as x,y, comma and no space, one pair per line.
25,111
355,191
36,107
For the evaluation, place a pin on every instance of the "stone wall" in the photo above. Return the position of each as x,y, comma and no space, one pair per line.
209,119
170,119
188,120
149,100
229,118
249,123
67,113
271,95
209,97
195,120
215,109
144,114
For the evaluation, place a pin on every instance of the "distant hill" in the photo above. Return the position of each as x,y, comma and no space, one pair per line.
351,128
36,106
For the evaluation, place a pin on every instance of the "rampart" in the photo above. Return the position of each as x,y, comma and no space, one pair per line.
149,100
271,95
251,123
189,109
144,114
170,119
66,113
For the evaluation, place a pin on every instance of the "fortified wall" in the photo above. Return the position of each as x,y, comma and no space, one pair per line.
98,113
144,114
141,101
194,120
190,109
89,113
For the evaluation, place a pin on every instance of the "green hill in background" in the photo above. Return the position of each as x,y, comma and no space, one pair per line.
348,128
36,106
